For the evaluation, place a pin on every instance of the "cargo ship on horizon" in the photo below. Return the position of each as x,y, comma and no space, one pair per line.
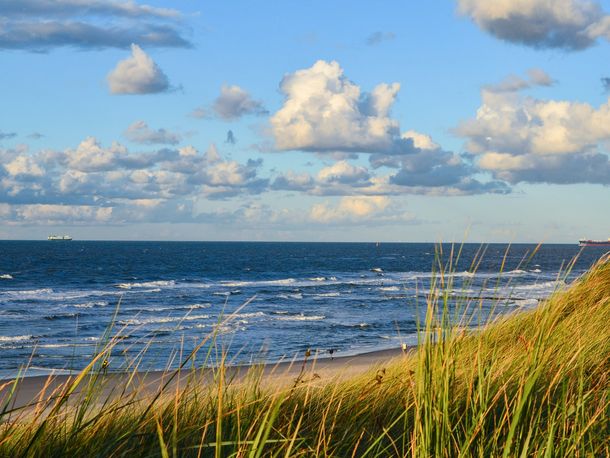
59,237
587,242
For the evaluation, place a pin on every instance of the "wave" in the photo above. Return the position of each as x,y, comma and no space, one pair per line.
300,317
389,288
248,284
147,284
319,279
29,293
160,320
15,338
550,286
88,305
227,293
6,277
59,316
247,315
333,294
526,303
291,296
516,272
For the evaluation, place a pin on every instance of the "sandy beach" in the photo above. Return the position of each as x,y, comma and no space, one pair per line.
34,391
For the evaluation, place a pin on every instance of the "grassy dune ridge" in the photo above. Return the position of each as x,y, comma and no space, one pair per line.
535,383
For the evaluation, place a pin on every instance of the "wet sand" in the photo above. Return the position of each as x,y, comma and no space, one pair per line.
34,391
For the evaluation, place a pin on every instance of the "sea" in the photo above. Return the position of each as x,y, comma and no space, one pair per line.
251,301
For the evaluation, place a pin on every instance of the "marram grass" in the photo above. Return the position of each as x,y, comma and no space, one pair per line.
536,383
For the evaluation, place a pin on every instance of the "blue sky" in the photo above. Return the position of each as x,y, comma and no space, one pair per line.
348,121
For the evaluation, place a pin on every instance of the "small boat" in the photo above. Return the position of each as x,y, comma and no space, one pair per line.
59,237
587,242
378,270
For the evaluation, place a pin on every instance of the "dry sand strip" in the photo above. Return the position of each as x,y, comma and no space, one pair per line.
34,391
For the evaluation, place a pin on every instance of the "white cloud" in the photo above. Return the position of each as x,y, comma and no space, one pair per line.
325,112
421,141
41,25
90,156
350,208
514,83
569,24
23,165
139,132
138,74
51,214
234,102
343,172
94,176
521,138
71,7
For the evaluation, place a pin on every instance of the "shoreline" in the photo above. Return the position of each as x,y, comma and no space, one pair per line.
31,391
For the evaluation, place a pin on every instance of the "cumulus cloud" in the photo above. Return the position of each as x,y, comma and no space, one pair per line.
235,102
40,25
350,208
323,111
291,181
378,37
23,165
345,173
326,113
138,74
567,24
60,214
513,83
359,209
125,186
521,138
139,132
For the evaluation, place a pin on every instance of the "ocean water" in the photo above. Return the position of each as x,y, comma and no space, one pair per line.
58,298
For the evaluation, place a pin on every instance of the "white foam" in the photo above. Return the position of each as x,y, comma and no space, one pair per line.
389,288
300,317
6,277
333,294
462,274
88,305
319,279
29,293
248,315
15,338
233,284
147,284
160,320
526,303
197,306
291,296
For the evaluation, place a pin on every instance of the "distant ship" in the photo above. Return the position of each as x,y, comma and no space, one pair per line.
59,237
586,242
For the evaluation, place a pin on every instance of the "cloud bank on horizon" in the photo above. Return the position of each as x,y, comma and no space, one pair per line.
365,150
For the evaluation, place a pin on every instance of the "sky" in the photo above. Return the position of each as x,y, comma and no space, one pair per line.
305,121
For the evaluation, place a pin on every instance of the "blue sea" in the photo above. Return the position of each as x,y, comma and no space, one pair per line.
263,301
